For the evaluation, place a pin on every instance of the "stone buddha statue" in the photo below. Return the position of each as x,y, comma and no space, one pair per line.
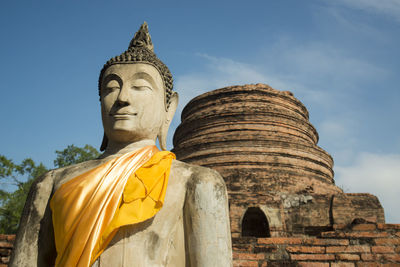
134,205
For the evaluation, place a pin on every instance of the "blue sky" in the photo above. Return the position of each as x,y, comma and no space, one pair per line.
340,58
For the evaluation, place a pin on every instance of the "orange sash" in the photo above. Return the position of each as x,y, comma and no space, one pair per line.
89,209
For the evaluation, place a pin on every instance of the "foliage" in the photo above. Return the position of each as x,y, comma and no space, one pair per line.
21,176
73,155
12,203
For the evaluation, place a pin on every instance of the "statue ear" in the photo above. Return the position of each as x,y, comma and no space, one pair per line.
162,136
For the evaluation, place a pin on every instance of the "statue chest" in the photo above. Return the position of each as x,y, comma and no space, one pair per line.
156,242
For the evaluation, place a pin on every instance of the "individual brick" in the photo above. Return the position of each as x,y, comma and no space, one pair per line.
367,257
239,263
390,257
348,257
248,256
349,249
326,241
316,257
364,227
242,247
280,240
305,249
382,249
366,234
333,234
387,241
387,226
342,264
313,264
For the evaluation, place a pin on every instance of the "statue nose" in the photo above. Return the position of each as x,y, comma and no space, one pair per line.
123,96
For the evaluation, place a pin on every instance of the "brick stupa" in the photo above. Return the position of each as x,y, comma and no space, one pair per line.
285,208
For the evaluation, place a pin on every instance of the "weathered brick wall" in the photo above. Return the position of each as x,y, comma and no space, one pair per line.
355,246
6,245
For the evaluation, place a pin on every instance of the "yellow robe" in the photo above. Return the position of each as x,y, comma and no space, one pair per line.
88,210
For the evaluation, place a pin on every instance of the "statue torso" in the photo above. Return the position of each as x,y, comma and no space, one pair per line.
156,242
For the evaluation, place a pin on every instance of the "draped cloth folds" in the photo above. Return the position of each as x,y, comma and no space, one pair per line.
88,209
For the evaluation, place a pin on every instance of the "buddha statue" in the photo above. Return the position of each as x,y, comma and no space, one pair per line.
134,205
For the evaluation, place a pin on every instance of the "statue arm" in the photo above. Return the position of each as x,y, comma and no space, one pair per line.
29,249
207,228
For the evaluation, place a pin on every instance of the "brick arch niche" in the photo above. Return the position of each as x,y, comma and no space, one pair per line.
255,223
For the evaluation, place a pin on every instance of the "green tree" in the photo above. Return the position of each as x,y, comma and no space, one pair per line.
73,155
21,177
12,203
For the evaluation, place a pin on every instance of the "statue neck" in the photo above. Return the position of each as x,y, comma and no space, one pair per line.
118,149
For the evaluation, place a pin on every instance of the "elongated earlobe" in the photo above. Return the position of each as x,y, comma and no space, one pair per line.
104,143
162,135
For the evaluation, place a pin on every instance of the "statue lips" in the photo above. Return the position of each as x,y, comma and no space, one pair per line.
123,115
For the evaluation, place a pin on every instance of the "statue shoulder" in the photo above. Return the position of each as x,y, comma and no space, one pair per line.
64,174
41,188
197,175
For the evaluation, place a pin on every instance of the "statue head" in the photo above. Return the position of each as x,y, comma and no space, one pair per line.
135,88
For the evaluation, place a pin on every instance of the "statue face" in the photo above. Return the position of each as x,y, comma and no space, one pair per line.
132,102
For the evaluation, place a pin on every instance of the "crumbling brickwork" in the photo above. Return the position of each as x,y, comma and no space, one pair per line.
6,245
356,245
285,208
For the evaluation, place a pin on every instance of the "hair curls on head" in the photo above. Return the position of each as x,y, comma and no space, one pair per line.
141,50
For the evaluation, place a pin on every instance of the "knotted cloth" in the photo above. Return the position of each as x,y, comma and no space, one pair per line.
88,209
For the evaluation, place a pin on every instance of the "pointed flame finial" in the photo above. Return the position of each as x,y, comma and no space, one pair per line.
142,38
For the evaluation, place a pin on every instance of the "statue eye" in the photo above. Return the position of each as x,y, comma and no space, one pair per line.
111,86
141,85
141,88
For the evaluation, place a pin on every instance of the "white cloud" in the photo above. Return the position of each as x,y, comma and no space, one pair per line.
385,7
315,72
217,73
347,22
336,129
378,174
338,134
322,62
